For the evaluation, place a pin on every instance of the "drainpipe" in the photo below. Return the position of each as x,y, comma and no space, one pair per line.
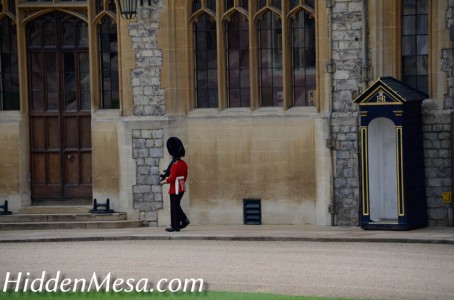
330,69
451,214
364,83
365,48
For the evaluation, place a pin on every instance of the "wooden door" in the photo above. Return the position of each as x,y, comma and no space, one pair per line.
59,102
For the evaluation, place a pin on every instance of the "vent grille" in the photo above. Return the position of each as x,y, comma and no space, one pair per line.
252,211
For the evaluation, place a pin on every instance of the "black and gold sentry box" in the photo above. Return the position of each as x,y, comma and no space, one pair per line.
392,185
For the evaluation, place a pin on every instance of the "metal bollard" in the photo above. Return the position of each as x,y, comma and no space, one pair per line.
4,209
97,205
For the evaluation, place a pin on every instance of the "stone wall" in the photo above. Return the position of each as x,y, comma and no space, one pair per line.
149,98
437,139
149,104
147,151
346,177
437,160
347,31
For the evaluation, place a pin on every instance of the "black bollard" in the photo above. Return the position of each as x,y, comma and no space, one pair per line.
97,205
4,209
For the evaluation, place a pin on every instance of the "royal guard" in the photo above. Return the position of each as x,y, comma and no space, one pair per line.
176,175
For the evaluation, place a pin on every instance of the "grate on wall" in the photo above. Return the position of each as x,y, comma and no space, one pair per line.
252,211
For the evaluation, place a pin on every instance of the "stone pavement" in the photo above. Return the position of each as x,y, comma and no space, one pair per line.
434,235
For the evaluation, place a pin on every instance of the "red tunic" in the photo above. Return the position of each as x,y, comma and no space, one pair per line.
178,173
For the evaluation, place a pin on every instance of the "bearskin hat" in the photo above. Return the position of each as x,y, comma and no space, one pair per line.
175,147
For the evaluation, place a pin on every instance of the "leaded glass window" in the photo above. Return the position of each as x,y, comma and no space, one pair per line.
270,59
415,39
9,70
205,54
102,5
108,63
295,3
228,4
254,76
303,59
211,4
238,87
196,5
276,3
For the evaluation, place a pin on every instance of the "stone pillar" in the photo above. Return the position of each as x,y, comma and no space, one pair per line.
437,139
149,111
347,56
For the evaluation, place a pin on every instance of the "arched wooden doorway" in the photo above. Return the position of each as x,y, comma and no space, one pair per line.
59,107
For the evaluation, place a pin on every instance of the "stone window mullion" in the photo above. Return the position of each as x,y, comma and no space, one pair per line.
220,41
253,56
286,57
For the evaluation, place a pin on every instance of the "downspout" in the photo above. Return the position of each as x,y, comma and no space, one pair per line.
330,69
365,48
451,214
365,82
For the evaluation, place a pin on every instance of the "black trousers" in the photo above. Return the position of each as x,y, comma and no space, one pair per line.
177,214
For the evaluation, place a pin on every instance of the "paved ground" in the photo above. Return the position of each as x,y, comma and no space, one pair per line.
332,269
441,235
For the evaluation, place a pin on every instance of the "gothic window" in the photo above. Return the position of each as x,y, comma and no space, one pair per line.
255,54
308,3
229,4
415,39
108,55
270,59
211,4
205,57
303,55
237,56
52,1
196,5
9,70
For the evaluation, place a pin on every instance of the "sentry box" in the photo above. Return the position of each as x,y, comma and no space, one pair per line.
391,159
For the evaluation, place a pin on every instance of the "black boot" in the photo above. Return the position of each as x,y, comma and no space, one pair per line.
171,229
184,224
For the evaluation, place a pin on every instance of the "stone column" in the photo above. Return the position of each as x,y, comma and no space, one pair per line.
149,111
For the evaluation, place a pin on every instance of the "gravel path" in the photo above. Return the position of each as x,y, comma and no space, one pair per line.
361,270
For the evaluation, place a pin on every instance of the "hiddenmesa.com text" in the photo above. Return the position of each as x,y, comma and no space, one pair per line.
25,282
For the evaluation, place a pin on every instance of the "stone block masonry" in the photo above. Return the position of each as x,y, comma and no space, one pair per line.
149,104
346,176
147,150
149,98
437,130
437,160
347,34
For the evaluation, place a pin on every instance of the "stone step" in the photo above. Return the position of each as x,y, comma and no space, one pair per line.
67,217
64,217
69,225
45,209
